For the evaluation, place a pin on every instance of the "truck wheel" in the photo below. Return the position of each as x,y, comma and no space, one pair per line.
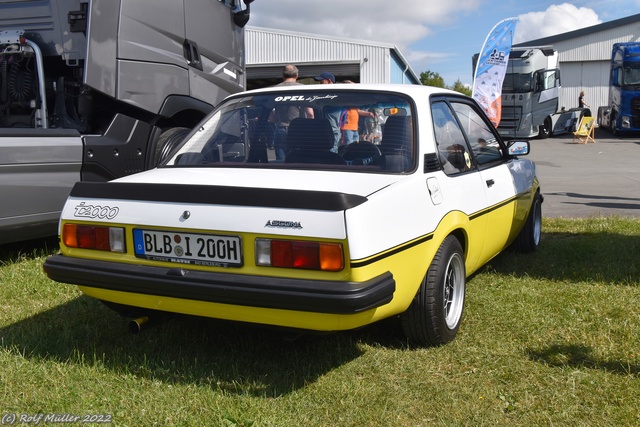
613,125
164,145
528,239
434,316
599,117
545,129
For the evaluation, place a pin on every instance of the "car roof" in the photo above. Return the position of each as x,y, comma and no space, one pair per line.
411,90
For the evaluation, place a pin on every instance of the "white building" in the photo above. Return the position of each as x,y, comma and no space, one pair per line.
584,57
269,50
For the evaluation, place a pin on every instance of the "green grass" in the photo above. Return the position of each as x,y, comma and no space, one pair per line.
548,339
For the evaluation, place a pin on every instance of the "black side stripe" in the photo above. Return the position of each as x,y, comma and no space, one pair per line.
397,249
378,257
219,195
522,195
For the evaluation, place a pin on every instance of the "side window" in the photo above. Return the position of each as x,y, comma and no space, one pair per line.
452,147
550,79
616,76
484,144
555,79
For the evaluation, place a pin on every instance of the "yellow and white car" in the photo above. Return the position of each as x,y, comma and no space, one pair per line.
330,237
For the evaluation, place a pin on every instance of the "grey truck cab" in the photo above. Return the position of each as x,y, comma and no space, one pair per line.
91,91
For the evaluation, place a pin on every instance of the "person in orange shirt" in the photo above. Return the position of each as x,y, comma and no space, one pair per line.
349,124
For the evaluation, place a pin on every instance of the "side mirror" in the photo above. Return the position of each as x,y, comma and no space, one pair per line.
614,77
518,148
537,78
241,17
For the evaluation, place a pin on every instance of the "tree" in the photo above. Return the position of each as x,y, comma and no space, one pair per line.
458,86
430,78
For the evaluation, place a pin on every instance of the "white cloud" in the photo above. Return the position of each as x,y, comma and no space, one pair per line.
557,19
397,22
429,57
437,35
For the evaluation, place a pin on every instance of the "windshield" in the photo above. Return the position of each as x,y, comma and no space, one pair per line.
517,83
344,130
631,75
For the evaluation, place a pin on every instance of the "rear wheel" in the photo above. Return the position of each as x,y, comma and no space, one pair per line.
612,124
545,129
528,239
164,145
434,316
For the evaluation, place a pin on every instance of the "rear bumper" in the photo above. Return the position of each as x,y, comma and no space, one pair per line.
319,296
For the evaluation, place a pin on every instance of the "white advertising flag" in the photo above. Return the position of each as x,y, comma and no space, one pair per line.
491,68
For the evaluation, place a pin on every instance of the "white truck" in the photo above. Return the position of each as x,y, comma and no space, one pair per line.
95,90
530,93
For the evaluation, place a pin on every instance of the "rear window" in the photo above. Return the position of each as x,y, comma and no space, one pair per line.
342,130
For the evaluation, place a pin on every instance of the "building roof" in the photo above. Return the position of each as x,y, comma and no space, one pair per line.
322,36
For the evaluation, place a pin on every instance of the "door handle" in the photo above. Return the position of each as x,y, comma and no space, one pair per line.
490,183
191,54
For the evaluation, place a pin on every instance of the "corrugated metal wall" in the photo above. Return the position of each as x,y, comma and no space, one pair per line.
268,48
592,77
584,64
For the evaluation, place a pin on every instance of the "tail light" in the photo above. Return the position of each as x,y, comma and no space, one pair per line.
299,254
94,237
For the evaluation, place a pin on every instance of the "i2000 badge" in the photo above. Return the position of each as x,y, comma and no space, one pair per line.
95,211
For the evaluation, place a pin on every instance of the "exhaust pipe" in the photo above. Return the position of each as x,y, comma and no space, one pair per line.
135,325
151,319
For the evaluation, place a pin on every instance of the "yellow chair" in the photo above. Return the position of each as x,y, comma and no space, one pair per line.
585,131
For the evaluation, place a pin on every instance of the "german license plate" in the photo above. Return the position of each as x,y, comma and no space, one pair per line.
188,248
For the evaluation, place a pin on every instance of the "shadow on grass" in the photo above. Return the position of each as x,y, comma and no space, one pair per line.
16,252
579,356
597,201
577,257
230,357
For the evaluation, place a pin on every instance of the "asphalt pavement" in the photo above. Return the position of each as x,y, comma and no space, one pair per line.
586,180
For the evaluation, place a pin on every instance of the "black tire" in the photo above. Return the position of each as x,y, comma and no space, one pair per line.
601,113
612,124
165,144
545,130
434,316
528,239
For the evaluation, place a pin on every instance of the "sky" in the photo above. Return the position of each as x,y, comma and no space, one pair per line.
439,36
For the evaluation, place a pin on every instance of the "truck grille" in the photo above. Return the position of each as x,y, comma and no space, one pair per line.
635,112
510,118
